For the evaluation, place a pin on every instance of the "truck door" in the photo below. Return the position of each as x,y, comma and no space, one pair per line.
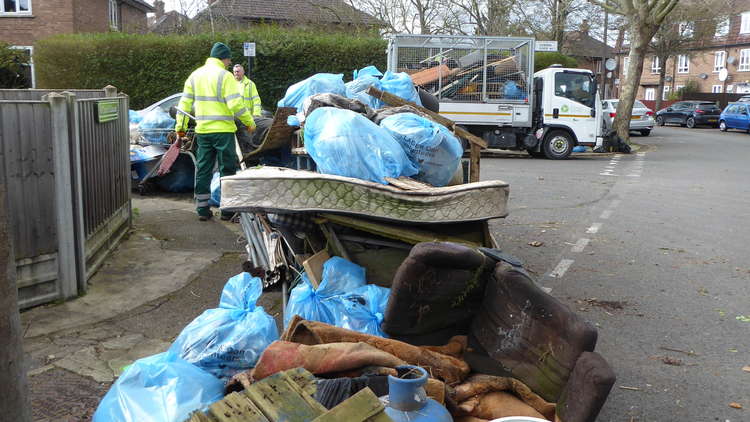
571,103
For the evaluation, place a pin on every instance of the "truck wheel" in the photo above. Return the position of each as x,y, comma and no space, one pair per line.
558,145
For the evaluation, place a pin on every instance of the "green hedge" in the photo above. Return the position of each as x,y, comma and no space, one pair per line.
150,67
543,60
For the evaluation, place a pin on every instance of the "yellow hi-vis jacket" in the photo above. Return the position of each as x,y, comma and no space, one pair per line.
211,95
250,95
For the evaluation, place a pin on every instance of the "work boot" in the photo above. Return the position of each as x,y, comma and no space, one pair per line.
204,214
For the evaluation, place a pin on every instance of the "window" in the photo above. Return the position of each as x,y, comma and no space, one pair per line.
745,23
730,88
716,89
625,64
744,65
720,58
722,28
15,7
686,29
114,15
28,67
683,64
665,94
655,68
578,87
677,88
650,94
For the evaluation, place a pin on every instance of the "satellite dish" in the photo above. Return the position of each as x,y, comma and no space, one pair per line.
723,73
609,75
610,64
731,60
668,78
703,76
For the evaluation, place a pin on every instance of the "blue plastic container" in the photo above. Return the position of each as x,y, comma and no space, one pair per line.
407,400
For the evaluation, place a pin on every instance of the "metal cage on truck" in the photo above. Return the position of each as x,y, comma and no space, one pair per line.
474,78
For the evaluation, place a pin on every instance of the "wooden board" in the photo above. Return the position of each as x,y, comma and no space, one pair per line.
424,77
279,134
236,407
363,406
280,399
314,267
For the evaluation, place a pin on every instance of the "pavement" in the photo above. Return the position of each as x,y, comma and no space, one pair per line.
169,269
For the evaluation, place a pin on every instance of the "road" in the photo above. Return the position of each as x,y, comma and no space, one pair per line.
650,247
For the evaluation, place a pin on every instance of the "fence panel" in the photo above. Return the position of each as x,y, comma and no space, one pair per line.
37,94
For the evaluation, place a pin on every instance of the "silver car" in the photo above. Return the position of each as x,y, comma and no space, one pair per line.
641,120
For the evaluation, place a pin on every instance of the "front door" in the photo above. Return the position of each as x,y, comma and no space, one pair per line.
571,104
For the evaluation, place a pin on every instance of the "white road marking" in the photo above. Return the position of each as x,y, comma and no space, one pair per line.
606,214
547,290
561,268
594,228
607,174
634,175
580,245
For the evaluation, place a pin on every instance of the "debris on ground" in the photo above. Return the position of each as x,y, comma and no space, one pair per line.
668,360
735,405
536,243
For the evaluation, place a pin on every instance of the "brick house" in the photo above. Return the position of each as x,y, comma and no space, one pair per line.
727,48
589,52
23,22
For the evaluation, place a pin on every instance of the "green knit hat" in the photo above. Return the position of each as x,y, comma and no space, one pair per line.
221,51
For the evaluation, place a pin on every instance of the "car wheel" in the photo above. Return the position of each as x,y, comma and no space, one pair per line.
722,126
558,145
690,122
660,120
645,132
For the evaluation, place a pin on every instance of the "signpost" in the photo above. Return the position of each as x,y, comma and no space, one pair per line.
545,46
248,49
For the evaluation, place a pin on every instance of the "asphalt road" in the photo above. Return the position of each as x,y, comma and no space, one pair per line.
652,248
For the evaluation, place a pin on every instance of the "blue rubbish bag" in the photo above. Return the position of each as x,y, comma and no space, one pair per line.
430,146
363,309
512,91
134,116
155,126
321,83
346,143
215,199
579,148
159,388
401,84
181,178
367,71
356,90
339,277
230,338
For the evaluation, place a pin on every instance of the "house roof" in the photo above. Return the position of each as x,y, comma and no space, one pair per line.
168,22
141,5
578,43
322,11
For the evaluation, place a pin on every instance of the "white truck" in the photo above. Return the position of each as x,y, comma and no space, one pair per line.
488,86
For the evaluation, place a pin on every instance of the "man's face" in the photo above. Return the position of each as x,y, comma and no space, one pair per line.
239,72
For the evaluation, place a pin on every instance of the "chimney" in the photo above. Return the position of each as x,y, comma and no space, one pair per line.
584,27
159,6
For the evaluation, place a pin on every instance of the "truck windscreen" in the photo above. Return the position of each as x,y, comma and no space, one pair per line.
578,87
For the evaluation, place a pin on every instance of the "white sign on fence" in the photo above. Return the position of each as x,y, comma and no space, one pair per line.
249,49
545,46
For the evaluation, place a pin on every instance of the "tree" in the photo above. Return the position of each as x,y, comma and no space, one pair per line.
644,18
687,22
14,404
12,67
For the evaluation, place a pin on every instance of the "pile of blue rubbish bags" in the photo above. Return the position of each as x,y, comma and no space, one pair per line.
229,339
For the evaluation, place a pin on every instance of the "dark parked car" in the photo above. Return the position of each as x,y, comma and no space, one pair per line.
690,114
735,116
744,99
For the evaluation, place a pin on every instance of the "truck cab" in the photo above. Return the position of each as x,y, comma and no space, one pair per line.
568,110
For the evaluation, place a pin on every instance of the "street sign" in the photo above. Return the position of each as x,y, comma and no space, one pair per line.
107,110
610,64
249,49
545,46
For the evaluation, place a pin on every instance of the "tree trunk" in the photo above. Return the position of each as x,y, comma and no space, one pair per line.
14,405
660,88
639,43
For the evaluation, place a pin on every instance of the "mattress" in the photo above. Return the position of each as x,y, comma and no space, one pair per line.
283,190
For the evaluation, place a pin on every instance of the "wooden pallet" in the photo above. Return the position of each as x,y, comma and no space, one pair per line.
288,397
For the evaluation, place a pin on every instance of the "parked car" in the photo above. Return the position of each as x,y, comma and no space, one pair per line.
690,114
735,116
641,119
165,103
744,99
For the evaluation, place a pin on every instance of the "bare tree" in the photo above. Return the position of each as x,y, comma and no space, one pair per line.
644,18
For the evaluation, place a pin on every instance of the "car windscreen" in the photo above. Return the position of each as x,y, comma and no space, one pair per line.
708,107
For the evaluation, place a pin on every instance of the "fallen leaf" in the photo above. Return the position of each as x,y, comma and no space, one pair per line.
735,405
743,318
733,350
536,243
671,361
746,368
